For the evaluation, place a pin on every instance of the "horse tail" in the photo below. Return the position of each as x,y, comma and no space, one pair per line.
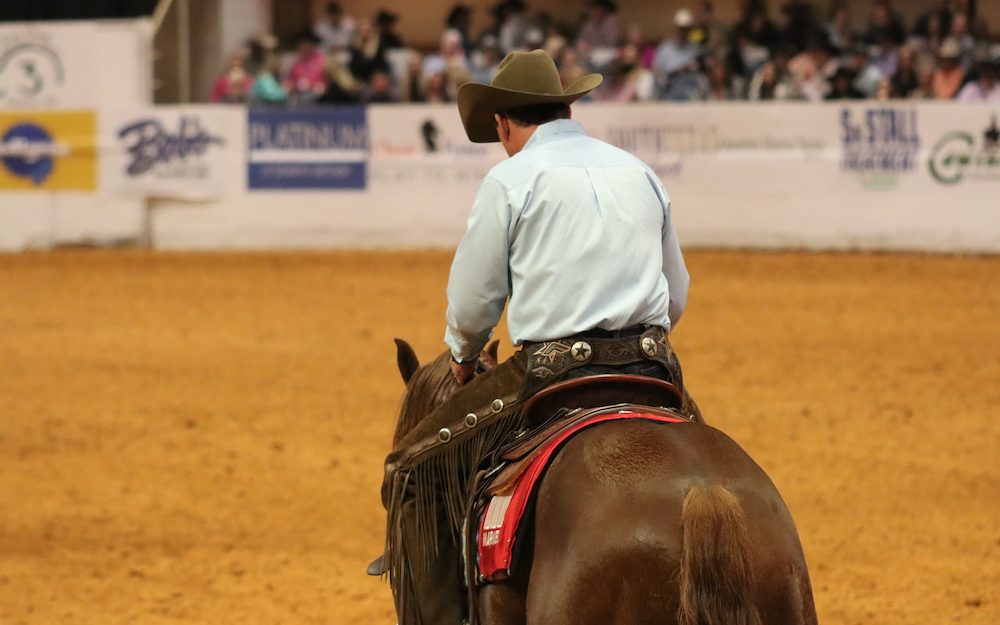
716,578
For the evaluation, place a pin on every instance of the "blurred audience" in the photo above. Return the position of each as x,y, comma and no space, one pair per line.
810,50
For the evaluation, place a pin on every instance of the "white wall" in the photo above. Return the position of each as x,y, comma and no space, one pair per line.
769,176
106,64
869,175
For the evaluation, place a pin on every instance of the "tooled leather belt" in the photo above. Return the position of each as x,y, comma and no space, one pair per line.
548,360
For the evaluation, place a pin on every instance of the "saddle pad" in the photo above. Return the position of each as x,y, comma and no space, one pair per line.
503,514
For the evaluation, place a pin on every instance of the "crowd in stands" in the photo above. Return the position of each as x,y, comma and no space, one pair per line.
805,52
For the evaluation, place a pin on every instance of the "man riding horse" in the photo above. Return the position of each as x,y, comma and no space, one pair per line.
576,234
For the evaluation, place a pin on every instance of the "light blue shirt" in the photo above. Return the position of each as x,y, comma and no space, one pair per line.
576,233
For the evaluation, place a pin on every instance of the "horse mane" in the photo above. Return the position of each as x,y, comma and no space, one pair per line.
431,385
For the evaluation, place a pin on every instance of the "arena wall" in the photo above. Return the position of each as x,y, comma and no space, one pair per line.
871,175
76,69
875,176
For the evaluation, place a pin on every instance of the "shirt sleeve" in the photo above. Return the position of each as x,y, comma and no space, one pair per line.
674,269
479,284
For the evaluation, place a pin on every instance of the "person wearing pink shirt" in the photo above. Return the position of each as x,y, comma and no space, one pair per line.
234,85
308,77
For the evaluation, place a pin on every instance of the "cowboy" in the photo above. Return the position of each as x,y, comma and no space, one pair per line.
574,235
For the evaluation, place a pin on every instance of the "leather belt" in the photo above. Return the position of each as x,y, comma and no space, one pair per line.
548,360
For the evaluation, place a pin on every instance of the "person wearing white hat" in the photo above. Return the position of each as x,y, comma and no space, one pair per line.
676,57
948,75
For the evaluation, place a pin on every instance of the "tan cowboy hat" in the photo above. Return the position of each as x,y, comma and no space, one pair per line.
521,79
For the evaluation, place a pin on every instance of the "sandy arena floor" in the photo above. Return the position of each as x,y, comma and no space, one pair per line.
197,439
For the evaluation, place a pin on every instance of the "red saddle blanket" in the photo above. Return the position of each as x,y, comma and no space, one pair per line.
503,514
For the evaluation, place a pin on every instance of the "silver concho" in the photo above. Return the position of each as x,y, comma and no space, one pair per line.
471,420
649,346
444,435
581,351
497,405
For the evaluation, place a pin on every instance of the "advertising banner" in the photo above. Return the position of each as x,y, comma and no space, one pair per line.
47,65
321,149
185,152
964,151
419,145
42,151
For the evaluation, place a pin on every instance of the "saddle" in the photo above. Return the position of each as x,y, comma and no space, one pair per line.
504,487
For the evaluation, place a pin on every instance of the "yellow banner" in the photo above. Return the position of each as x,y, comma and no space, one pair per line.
48,151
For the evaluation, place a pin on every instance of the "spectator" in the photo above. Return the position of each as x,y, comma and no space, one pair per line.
233,86
571,68
867,76
367,53
939,14
800,25
413,84
719,85
813,69
379,89
638,75
884,24
460,20
925,73
842,86
512,21
307,77
634,37
335,31
616,86
341,86
388,38
485,60
947,78
450,61
984,88
885,57
906,80
774,81
266,87
435,89
838,29
677,58
554,46
967,43
258,51
743,59
756,24
705,31
601,29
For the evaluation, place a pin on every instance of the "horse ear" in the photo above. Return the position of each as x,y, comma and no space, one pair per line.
406,359
493,349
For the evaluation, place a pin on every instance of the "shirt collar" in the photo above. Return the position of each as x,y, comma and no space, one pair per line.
553,130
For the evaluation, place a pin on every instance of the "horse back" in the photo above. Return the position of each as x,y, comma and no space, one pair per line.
608,535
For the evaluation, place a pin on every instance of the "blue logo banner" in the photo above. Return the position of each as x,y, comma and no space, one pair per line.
308,149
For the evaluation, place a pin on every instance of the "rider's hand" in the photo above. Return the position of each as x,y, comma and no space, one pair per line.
463,371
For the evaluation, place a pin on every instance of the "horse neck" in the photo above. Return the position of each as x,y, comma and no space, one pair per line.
431,385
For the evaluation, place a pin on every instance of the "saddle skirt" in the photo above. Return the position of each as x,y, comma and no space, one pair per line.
510,489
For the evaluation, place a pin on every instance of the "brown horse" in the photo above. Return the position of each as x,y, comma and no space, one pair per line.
641,523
